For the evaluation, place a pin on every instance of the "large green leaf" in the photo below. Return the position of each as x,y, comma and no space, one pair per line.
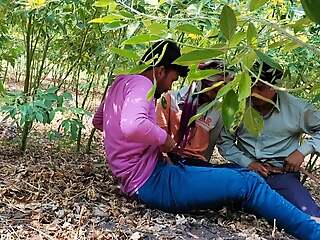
104,3
197,56
249,58
213,86
114,26
290,45
202,74
143,38
189,28
265,58
255,4
312,9
244,85
253,121
228,22
237,38
126,53
230,106
252,35
107,19
39,116
156,28
233,85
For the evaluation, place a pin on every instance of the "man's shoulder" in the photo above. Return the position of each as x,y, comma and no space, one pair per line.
134,78
292,100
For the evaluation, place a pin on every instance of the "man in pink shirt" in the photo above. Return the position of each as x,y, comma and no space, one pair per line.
134,144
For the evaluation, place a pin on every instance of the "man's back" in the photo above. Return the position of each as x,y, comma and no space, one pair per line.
130,136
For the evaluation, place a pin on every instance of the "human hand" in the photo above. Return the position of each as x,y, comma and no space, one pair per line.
166,159
259,167
169,145
293,162
272,169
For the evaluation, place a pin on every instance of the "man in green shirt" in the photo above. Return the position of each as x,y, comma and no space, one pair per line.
276,153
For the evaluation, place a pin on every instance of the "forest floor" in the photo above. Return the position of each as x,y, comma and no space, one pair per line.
54,193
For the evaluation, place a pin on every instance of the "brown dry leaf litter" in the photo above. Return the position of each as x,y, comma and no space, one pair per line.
54,193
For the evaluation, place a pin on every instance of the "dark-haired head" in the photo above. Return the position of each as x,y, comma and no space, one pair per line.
169,52
224,77
268,73
161,56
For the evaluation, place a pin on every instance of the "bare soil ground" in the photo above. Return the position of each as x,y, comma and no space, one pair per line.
54,193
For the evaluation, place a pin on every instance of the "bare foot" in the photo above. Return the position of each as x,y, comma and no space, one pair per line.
317,219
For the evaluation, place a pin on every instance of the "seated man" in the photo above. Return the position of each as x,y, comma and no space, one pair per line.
133,145
277,146
195,142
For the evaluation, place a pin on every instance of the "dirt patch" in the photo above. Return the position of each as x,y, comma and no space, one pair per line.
54,193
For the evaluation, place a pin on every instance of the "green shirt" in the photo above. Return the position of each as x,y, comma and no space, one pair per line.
283,127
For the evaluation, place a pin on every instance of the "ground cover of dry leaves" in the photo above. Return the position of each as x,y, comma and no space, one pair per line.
54,193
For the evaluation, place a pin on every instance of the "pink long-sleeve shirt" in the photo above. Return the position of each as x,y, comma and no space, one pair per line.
131,135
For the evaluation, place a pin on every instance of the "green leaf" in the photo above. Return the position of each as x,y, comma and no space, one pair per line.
244,85
230,86
151,92
202,74
255,4
265,58
230,106
114,26
237,38
202,111
311,8
103,3
126,53
252,35
40,103
249,59
127,14
213,86
189,28
39,117
52,89
74,130
278,44
2,89
288,47
156,28
107,19
143,38
50,97
253,121
67,96
300,24
228,22
52,115
197,56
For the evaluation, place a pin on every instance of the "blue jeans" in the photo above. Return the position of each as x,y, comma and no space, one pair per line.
181,188
289,186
